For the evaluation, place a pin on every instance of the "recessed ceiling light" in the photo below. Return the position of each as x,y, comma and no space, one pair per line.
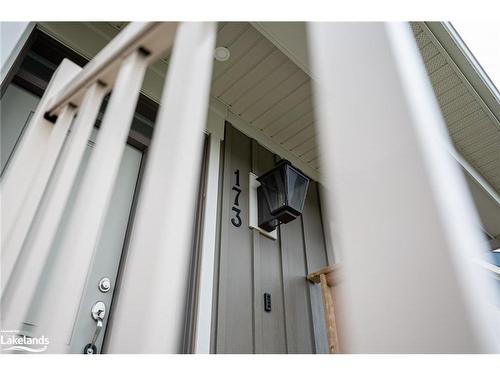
222,54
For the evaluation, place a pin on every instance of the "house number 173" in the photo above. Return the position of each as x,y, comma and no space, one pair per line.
236,220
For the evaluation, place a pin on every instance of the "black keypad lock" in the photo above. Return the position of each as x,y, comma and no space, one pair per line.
267,302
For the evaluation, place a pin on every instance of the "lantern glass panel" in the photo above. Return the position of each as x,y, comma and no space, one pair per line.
266,220
275,190
297,189
284,189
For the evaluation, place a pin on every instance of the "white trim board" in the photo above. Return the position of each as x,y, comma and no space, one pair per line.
475,174
490,267
14,36
208,250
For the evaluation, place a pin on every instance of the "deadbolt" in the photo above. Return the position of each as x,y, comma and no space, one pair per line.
104,284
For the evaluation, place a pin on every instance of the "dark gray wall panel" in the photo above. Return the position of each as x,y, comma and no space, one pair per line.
215,305
313,230
316,258
269,326
300,335
251,264
235,318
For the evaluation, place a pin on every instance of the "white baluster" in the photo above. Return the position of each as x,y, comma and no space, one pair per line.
25,281
29,158
67,275
149,313
15,238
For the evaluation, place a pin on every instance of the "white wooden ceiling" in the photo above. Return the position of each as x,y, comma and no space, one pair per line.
266,89
271,94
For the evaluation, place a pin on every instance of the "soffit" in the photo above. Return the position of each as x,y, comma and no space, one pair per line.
267,90
473,127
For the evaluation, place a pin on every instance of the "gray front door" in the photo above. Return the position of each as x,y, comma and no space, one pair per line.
108,252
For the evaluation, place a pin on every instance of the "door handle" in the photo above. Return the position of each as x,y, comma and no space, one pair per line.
98,313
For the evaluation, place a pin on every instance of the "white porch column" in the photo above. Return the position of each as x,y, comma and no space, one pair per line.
148,314
406,225
71,265
25,281
29,170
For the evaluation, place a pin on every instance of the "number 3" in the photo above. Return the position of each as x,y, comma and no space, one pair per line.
237,222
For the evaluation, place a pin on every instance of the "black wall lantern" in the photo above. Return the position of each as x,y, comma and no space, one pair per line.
281,195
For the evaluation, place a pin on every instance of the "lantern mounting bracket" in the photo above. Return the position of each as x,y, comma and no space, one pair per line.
253,217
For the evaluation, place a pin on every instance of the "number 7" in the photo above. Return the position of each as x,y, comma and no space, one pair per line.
236,198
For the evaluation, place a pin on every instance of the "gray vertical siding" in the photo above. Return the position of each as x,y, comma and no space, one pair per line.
251,264
235,297
299,328
269,326
316,258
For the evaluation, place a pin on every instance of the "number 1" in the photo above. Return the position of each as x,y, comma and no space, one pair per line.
237,173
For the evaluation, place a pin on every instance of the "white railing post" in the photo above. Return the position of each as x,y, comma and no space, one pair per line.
148,315
25,281
405,223
67,276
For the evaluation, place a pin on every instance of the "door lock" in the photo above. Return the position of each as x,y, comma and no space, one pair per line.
104,284
267,302
98,313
